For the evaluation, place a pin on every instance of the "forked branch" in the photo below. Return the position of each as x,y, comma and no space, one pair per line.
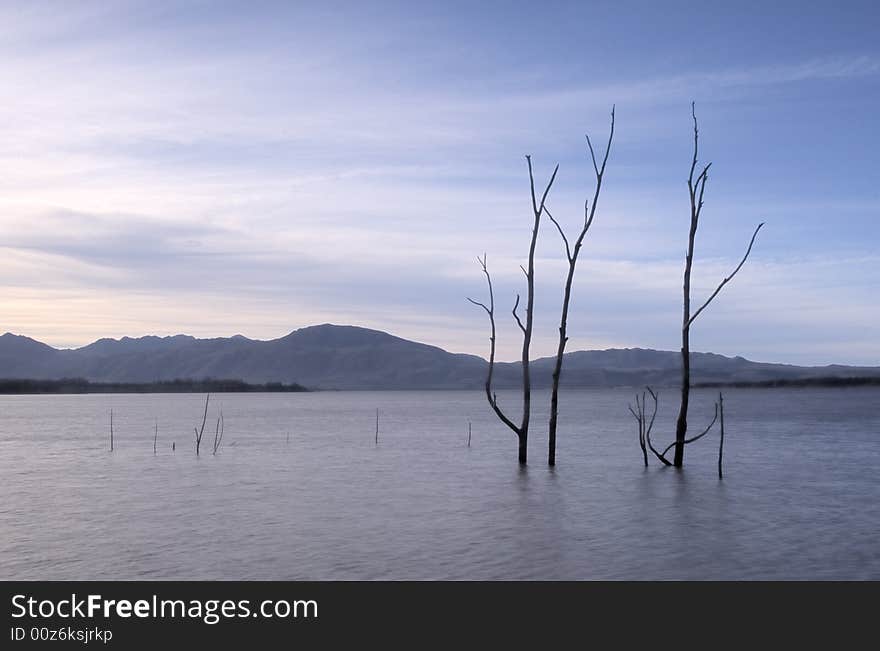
490,311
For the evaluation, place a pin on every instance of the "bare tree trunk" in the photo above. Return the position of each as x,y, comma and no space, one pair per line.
521,430
681,423
572,257
696,188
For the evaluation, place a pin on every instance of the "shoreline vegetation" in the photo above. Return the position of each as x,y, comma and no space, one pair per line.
81,385
830,381
20,386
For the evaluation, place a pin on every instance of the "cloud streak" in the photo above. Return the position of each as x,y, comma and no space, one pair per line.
193,177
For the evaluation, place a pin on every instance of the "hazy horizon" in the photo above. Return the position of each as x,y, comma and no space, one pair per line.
213,169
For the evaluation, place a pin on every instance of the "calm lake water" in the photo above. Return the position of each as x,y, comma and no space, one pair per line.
800,498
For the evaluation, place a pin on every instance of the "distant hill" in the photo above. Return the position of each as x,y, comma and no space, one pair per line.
348,357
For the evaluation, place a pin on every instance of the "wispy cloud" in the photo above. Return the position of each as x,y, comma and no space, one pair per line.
193,177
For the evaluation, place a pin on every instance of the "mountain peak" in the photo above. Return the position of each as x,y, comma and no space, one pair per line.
331,356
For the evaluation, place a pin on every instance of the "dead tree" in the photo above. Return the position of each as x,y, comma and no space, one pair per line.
521,430
111,430
696,188
200,431
571,254
646,425
640,413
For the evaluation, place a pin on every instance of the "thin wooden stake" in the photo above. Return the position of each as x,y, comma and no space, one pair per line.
155,436
721,442
469,433
111,430
377,427
200,432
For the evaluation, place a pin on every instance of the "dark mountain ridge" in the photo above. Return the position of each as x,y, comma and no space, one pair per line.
348,357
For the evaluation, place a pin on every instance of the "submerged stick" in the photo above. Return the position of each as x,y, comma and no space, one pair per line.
721,442
216,436
200,432
218,433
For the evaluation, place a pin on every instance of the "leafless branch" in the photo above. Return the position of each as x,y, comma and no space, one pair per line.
728,278
656,399
561,234
698,436
477,303
516,316
490,311
538,209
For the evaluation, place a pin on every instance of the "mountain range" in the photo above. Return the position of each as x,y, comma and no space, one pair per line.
348,357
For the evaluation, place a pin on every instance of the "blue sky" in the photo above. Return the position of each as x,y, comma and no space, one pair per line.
221,168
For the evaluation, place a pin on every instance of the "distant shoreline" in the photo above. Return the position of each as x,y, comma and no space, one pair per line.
795,382
80,385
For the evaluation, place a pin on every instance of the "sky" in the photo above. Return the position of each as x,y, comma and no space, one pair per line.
214,168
